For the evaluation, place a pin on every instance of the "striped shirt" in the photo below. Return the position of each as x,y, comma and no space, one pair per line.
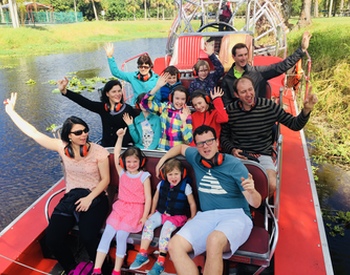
174,131
252,130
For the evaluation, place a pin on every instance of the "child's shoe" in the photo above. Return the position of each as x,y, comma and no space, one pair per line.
157,269
139,261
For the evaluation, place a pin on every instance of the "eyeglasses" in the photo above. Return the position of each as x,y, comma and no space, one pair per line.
80,132
143,67
207,142
203,71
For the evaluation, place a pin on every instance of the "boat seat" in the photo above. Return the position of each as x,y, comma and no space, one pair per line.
227,43
261,244
187,51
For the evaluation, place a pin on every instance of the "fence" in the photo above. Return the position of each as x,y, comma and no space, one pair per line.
45,17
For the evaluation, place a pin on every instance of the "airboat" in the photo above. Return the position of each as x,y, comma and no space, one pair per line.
288,235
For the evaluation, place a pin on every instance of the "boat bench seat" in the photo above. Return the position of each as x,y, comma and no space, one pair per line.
260,246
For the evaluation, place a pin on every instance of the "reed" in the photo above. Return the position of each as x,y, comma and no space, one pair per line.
329,130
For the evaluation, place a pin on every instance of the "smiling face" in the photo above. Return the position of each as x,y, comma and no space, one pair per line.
174,176
132,164
144,68
245,93
77,134
172,79
115,95
203,72
200,104
179,99
241,57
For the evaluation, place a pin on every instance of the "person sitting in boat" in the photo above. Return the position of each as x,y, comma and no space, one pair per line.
225,191
111,110
169,206
130,210
175,116
249,128
206,81
259,74
142,80
173,80
145,129
85,202
208,110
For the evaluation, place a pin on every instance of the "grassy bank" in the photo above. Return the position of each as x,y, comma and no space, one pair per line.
330,51
42,40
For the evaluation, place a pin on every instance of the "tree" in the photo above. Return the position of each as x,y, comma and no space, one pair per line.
305,16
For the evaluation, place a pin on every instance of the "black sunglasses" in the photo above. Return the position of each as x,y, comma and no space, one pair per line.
80,132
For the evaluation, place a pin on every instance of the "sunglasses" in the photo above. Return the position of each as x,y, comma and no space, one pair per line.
80,132
143,67
207,142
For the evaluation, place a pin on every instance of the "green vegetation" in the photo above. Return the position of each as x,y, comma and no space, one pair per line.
330,51
329,130
43,40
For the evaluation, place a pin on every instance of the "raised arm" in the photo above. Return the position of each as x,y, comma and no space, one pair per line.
118,147
309,102
216,95
27,128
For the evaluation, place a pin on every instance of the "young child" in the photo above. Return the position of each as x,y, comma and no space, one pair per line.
169,205
130,211
208,112
207,81
175,116
173,80
145,129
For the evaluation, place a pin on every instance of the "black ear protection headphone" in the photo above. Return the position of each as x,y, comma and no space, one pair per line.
117,107
140,153
217,160
84,149
162,174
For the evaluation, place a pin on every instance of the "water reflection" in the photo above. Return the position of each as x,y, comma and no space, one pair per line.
27,169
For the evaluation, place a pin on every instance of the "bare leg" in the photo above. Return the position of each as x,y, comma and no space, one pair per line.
100,257
271,174
145,244
217,243
118,263
178,250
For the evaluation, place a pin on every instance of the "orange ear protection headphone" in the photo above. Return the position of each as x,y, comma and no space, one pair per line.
137,106
117,107
163,175
203,95
194,71
140,153
84,149
217,160
144,78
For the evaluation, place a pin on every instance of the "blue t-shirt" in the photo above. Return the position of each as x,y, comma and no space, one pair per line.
219,187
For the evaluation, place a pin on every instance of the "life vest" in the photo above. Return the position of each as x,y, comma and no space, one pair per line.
172,201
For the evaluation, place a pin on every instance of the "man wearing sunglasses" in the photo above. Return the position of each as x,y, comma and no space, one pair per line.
141,81
225,191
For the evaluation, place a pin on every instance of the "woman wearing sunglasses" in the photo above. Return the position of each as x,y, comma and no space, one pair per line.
111,110
141,81
86,169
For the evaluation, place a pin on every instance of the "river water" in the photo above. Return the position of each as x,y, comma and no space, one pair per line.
27,170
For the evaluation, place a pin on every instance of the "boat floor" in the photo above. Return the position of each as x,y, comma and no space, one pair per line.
299,249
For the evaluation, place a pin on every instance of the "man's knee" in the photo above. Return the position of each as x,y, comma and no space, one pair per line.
217,242
178,244
272,176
